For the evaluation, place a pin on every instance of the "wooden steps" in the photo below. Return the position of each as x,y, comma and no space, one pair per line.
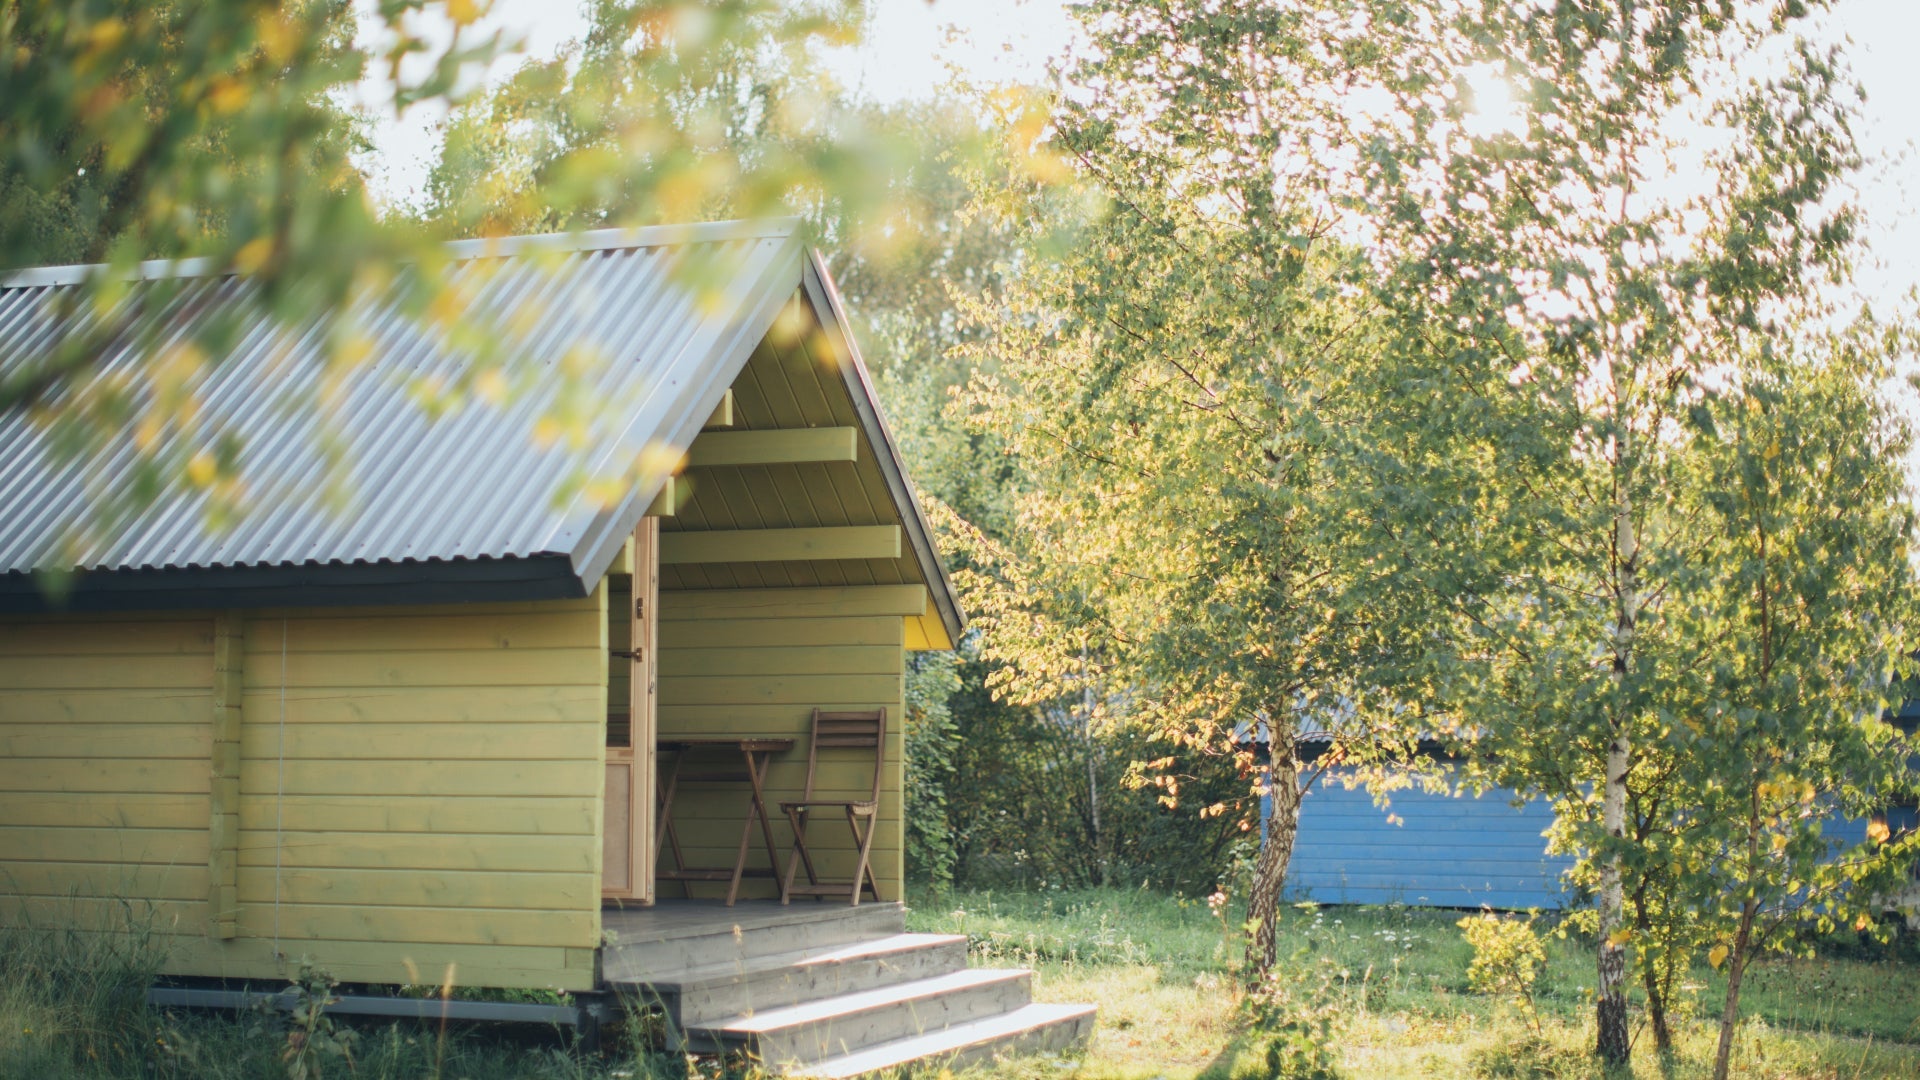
814,1030
1030,1029
712,994
836,991
659,944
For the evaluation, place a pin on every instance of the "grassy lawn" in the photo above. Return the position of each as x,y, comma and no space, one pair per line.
1391,983
1394,982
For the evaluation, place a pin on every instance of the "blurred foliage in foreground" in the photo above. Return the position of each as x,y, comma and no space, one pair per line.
215,130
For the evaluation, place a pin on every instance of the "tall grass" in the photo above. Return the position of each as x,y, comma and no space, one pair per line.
1163,969
73,1001
1165,972
73,1007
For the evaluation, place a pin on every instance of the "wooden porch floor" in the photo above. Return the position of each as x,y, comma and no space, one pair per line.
674,937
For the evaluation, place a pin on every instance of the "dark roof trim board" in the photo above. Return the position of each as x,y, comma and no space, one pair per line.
548,577
448,544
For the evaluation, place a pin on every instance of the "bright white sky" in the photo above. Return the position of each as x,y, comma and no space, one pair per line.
912,45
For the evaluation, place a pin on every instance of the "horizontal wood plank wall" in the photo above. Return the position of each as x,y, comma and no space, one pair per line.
106,749
418,787
1424,850
431,787
758,662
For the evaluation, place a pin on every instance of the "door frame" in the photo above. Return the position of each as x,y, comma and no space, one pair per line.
631,773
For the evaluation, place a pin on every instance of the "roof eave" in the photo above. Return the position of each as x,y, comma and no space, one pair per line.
543,577
732,343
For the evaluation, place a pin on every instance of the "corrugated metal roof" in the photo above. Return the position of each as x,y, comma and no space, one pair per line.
471,485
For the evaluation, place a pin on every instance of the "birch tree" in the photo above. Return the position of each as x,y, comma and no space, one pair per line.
1601,231
1599,244
1158,391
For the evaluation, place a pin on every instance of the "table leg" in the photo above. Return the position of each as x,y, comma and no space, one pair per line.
746,833
760,803
666,834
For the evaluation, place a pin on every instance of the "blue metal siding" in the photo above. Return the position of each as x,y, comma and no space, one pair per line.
1447,852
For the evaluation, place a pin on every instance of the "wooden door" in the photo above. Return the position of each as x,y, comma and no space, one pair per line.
627,863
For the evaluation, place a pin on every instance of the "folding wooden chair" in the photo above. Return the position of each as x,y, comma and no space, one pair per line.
838,731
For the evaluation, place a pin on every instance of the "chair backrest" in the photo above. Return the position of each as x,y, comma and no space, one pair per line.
865,730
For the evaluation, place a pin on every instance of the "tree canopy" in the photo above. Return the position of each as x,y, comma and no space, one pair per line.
1480,359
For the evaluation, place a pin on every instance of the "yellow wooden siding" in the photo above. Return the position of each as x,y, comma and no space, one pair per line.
432,786
757,663
418,787
106,740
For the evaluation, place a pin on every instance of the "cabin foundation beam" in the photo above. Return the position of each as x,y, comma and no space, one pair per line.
223,803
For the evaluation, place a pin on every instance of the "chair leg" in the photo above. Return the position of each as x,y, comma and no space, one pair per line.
863,870
797,818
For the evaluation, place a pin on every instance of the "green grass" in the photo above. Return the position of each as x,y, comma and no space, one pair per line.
1163,969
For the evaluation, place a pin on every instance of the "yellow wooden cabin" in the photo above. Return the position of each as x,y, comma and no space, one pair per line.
397,716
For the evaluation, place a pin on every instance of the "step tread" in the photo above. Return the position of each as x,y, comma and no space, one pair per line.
824,1009
797,960
942,1043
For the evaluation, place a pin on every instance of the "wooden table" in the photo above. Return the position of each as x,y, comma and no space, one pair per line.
755,754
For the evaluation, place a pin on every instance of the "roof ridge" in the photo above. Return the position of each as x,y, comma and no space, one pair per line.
476,248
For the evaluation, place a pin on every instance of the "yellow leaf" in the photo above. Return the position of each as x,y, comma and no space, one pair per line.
106,34
277,37
605,492
491,386
1620,937
353,351
253,254
447,306
228,96
462,12
1877,831
1717,956
202,469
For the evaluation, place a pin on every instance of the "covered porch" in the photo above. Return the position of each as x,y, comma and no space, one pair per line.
784,566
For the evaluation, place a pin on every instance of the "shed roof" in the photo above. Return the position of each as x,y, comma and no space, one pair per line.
479,501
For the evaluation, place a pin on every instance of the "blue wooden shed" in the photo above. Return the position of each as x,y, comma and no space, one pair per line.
1452,851
1424,849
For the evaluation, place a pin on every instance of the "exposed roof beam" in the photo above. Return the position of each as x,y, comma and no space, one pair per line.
722,413
781,545
665,503
780,447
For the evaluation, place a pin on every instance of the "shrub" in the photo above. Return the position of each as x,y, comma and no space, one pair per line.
1532,1057
1507,957
1292,1021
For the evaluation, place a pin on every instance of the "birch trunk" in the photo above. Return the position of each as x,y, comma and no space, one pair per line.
1276,851
1730,1011
1742,939
1613,1043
